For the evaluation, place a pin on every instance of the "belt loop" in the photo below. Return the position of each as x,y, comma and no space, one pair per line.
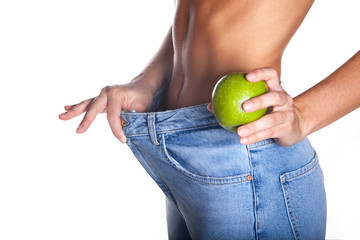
151,127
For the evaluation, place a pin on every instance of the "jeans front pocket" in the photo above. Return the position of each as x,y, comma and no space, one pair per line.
212,155
305,200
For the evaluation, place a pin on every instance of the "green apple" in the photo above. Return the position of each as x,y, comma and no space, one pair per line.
229,94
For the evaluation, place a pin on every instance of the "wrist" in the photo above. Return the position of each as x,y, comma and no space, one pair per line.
304,122
151,79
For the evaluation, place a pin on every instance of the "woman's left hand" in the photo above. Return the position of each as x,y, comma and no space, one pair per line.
282,123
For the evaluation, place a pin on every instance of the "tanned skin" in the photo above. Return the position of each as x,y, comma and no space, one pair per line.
211,38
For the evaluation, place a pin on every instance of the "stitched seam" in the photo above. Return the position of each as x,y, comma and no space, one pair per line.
301,174
173,130
290,212
260,145
287,207
285,186
163,112
288,179
254,191
152,128
207,180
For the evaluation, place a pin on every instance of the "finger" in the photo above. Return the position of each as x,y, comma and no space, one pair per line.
96,106
69,107
269,75
209,107
268,121
113,115
275,99
273,132
75,110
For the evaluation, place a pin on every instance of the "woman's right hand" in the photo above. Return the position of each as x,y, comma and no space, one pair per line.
112,100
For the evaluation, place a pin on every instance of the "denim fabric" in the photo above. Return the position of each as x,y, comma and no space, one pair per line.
217,188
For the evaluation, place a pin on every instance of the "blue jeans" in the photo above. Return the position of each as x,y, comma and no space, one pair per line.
217,188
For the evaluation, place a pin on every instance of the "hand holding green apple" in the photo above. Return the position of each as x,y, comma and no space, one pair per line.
282,123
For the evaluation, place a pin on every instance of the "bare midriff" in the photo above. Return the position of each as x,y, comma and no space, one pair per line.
214,37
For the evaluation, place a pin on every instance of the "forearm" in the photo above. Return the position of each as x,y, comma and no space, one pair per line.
159,69
330,99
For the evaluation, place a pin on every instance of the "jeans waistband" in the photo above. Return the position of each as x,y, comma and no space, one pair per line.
152,123
166,121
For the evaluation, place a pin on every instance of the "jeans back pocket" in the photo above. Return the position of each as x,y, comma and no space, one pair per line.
305,199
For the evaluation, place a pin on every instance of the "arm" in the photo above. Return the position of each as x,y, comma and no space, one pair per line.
293,119
335,96
159,69
137,94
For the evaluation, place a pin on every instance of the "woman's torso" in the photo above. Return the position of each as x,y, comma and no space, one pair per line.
212,38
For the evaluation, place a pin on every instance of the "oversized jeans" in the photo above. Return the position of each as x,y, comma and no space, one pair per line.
217,188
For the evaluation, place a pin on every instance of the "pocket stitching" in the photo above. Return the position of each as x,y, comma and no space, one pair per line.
203,179
289,211
291,176
300,171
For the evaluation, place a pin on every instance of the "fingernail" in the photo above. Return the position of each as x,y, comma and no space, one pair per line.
247,106
243,131
79,128
250,76
122,138
243,140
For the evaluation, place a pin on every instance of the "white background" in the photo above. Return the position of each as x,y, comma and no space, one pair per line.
56,184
